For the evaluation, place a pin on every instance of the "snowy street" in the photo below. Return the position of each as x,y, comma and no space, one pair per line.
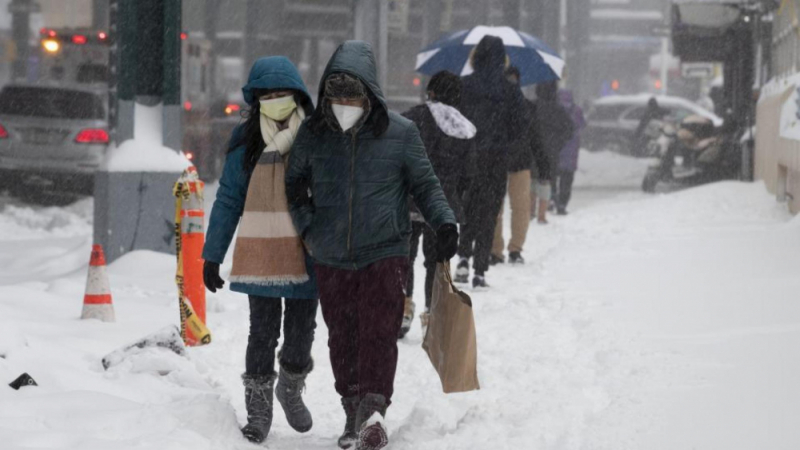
639,322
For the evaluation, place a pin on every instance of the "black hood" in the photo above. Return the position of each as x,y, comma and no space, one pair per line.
354,58
490,55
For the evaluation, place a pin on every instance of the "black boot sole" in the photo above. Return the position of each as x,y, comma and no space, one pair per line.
349,443
253,435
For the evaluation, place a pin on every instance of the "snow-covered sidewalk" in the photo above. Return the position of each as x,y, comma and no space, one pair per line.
638,323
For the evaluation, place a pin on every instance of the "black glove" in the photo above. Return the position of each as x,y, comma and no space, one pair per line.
211,276
446,242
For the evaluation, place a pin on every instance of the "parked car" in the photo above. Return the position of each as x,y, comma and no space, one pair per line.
612,120
51,138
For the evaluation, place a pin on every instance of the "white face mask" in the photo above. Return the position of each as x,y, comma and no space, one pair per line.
347,116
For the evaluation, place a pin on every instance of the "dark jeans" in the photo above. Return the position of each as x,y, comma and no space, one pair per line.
363,310
299,323
561,186
429,251
485,200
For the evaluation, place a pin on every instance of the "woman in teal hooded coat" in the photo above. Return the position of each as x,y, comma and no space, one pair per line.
270,263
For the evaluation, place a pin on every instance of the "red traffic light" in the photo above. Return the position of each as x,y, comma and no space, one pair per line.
184,36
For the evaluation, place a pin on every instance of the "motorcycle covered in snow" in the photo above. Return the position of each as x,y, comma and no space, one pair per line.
693,153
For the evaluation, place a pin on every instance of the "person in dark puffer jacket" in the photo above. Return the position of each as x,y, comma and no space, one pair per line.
359,162
445,133
494,105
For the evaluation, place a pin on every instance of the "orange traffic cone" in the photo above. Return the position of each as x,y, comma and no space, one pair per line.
97,301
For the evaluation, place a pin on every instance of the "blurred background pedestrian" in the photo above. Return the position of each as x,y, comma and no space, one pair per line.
568,159
555,129
524,153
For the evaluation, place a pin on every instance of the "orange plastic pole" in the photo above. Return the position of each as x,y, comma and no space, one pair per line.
190,220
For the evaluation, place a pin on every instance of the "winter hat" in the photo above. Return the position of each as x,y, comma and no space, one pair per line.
446,88
342,85
490,53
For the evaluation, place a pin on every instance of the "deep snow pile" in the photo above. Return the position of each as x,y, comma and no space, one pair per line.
43,243
638,322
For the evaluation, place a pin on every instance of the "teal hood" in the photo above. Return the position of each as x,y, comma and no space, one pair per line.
355,58
276,72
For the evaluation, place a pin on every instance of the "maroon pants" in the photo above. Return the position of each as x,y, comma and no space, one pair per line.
363,310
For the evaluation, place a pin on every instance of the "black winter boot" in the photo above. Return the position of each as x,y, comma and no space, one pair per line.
258,400
349,437
289,392
372,433
479,282
516,258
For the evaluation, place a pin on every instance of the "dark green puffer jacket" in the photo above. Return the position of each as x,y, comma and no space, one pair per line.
360,180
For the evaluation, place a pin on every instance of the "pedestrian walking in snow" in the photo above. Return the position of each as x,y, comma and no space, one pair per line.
555,130
497,108
444,131
523,152
360,162
568,159
269,261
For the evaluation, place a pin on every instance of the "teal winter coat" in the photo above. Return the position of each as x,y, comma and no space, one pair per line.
359,183
275,72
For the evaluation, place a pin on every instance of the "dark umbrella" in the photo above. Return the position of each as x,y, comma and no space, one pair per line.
536,61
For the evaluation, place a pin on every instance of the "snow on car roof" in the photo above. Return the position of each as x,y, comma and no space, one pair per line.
663,100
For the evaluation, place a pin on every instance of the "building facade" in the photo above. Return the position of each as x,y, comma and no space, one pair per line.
777,155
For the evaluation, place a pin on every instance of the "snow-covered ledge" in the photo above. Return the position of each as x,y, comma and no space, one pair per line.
145,152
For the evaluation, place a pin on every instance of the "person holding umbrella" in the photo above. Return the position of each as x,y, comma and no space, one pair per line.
497,108
458,52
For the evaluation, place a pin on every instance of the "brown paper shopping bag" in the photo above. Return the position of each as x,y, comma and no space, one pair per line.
450,341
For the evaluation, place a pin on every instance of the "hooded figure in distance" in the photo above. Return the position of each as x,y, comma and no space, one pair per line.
497,108
555,129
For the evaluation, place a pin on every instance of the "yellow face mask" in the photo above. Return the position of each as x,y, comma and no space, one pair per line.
278,108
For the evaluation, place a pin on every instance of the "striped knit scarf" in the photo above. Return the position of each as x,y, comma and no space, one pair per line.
268,250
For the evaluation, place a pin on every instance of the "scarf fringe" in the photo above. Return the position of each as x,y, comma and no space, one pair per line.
278,280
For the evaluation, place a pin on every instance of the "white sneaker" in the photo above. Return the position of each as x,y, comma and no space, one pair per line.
462,271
